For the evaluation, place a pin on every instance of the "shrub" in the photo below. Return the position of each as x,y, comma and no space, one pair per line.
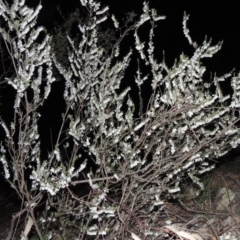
140,159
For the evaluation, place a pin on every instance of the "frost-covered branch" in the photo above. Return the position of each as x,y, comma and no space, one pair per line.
132,165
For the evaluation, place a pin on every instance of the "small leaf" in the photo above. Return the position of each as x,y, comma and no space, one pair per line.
134,236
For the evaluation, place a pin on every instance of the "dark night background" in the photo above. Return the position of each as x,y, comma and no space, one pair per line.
219,20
